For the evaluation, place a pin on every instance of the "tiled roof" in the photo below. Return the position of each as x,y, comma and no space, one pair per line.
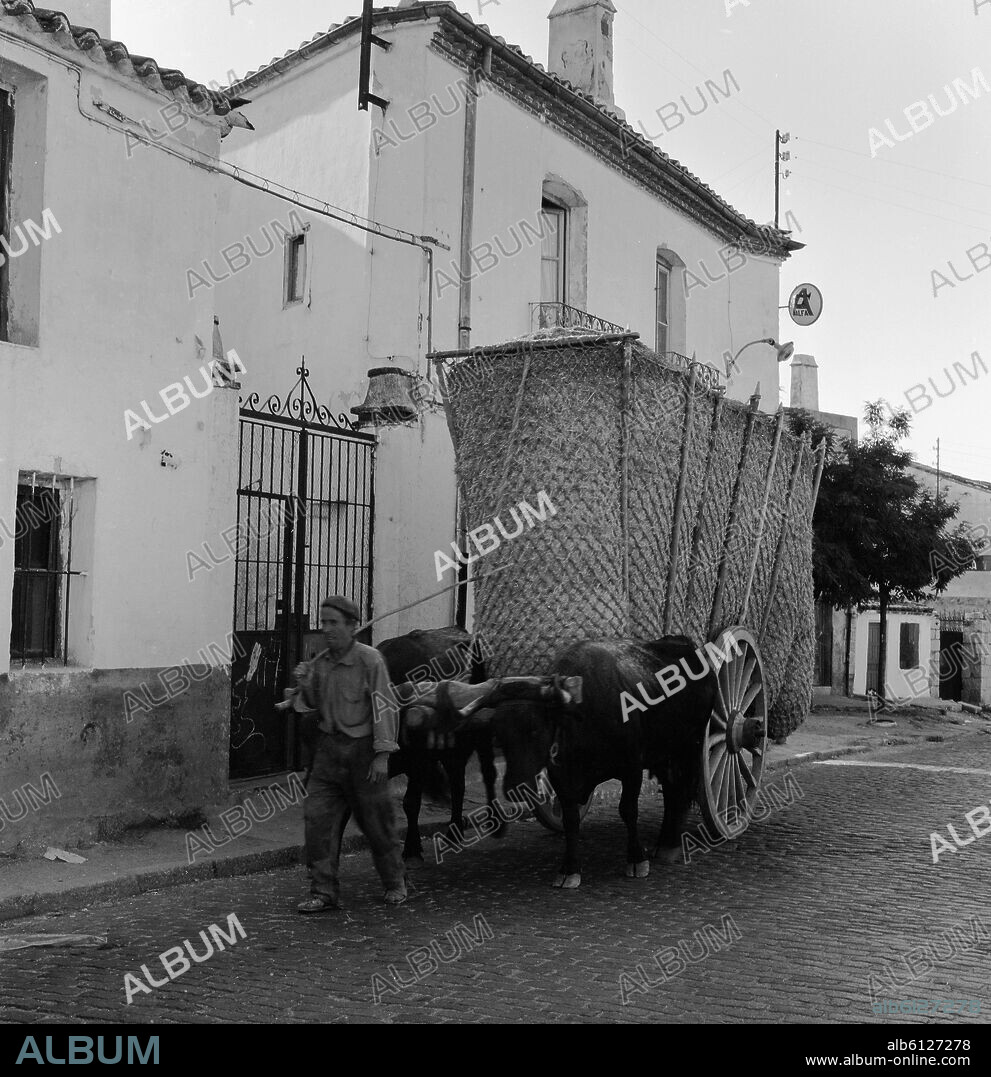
949,475
84,39
444,8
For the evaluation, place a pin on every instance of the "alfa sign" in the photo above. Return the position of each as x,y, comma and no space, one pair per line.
805,304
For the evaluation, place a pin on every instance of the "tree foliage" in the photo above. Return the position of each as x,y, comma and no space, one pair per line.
880,535
875,524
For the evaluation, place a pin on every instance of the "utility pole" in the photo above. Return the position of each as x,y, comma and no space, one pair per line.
937,468
779,141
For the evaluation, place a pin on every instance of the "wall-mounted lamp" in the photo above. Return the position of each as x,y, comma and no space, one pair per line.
785,352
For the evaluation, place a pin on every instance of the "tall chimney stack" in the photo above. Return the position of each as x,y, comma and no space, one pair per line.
805,382
581,36
94,14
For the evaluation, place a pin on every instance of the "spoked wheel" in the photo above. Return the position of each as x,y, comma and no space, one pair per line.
549,813
735,742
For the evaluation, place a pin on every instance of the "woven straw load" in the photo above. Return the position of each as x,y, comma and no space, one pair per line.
602,434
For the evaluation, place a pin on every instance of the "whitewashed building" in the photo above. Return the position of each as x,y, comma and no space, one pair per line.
961,626
940,648
527,201
113,677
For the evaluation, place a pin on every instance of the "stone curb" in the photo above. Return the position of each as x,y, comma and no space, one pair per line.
140,882
836,753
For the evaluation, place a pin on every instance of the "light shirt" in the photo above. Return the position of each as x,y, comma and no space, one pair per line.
354,696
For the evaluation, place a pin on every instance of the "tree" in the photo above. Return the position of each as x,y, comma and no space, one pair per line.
879,534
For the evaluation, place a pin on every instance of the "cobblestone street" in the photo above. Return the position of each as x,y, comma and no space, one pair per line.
823,893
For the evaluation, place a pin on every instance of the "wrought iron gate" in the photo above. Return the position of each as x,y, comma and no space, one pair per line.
306,503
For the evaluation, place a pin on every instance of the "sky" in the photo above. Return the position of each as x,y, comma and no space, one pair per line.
880,214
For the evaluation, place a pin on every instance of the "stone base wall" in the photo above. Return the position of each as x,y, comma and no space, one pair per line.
105,774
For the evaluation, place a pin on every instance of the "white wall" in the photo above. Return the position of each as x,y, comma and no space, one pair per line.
418,184
368,298
898,684
363,309
116,327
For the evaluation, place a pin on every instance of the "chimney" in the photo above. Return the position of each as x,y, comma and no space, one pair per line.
93,14
580,50
805,383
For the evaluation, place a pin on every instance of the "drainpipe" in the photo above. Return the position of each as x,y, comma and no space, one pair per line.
468,211
464,302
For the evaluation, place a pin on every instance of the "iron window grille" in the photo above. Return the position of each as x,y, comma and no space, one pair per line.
42,569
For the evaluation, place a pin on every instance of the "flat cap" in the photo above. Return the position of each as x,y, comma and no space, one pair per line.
342,605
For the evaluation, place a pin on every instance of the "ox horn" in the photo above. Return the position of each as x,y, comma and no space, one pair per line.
566,690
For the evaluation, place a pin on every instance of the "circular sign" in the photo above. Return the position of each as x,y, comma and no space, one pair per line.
805,304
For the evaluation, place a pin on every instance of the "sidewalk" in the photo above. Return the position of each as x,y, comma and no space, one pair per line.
155,859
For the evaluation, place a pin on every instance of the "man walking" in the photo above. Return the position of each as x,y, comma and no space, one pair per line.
348,685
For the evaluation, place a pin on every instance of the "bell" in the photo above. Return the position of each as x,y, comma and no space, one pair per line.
389,399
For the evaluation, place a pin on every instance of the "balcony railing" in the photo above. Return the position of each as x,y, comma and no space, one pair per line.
561,316
708,376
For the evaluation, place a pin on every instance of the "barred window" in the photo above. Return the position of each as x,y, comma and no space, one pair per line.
42,569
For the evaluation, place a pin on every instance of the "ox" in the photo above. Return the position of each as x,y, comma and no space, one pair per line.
587,743
434,655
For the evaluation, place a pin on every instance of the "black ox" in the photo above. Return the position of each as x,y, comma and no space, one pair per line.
584,744
437,655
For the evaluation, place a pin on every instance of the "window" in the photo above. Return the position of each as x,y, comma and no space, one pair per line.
908,651
983,563
553,251
37,566
295,269
663,303
42,569
6,153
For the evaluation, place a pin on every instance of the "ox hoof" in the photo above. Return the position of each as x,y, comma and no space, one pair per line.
415,862
668,854
568,882
638,871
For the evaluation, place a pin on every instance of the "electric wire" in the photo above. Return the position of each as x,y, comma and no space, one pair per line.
889,161
895,205
904,190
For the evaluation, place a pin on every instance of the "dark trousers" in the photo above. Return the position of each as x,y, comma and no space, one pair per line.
339,786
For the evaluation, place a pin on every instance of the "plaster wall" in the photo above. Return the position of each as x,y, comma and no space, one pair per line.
365,306
969,589
368,300
516,152
900,683
974,501
110,775
115,327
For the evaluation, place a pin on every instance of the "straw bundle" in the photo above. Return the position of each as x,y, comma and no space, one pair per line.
612,434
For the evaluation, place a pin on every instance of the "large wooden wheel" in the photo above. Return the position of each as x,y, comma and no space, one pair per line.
549,813
735,742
